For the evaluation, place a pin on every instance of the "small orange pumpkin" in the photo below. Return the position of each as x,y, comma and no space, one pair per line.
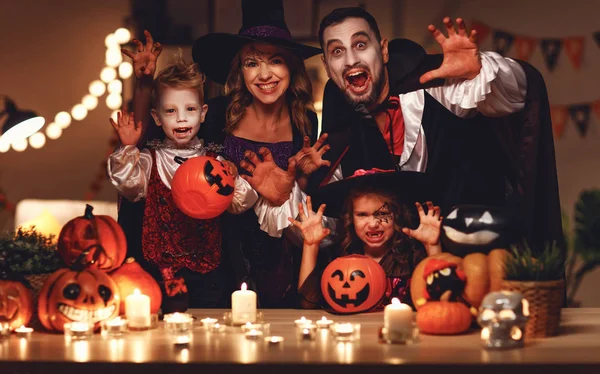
16,303
131,276
101,236
444,318
353,284
77,295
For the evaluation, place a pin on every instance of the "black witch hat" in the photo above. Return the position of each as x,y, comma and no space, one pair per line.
262,21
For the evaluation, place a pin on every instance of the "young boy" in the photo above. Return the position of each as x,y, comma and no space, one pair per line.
185,251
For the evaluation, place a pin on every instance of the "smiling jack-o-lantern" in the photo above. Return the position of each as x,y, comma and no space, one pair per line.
477,228
87,295
202,187
353,284
101,236
16,303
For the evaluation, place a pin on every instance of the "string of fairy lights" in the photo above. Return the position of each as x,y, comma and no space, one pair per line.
110,83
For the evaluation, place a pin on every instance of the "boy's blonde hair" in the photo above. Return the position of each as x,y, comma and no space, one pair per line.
179,75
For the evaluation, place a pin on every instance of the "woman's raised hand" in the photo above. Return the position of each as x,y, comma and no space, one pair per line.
268,179
309,159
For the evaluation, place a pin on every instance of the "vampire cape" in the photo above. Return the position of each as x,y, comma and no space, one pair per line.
507,162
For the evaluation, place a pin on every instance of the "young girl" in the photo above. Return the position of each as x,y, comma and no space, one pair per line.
184,250
375,223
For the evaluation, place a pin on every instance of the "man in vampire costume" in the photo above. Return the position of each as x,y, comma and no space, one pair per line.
476,123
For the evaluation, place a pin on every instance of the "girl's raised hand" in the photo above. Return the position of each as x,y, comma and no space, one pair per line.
429,228
311,224
128,131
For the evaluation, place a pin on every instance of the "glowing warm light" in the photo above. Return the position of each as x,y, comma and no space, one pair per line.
113,115
45,223
23,129
53,131
4,146
19,145
516,333
108,74
37,140
97,88
122,35
111,41
485,333
115,86
62,119
90,102
79,112
114,101
113,57
125,70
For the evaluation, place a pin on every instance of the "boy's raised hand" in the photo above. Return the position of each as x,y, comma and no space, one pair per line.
129,132
429,228
144,60
311,225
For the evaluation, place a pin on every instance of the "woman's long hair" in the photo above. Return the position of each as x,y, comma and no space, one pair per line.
402,218
298,95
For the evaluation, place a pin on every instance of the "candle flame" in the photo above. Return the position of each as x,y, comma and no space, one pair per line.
136,292
244,286
395,301
323,318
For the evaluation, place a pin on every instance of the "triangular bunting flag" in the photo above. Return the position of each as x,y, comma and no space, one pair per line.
597,37
559,114
482,30
574,49
551,49
502,41
524,47
596,107
581,116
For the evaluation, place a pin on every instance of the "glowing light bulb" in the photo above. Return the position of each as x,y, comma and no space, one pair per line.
19,145
53,131
97,88
111,41
122,35
108,74
62,119
125,70
114,101
79,112
90,102
115,86
113,57
37,140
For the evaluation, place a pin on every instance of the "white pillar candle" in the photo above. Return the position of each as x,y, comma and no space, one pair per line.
137,310
243,305
398,320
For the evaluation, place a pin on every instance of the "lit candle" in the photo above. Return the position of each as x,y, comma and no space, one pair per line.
253,334
113,327
137,310
302,321
23,332
243,305
306,332
398,321
274,340
345,331
178,322
207,323
4,330
324,323
78,330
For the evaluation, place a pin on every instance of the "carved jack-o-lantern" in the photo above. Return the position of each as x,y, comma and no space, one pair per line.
476,228
69,296
353,284
16,303
202,187
101,236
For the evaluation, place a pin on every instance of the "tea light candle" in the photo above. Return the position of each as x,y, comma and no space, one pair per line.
346,331
178,322
243,305
23,332
253,334
78,330
302,321
207,323
217,328
113,327
274,340
137,310
398,321
306,332
324,323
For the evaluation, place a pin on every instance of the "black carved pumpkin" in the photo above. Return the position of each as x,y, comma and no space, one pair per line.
202,187
353,284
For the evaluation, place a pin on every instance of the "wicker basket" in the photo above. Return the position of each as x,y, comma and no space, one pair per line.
545,302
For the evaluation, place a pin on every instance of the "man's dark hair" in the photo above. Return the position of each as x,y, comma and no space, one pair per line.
339,15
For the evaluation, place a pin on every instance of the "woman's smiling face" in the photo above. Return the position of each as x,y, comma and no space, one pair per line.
266,73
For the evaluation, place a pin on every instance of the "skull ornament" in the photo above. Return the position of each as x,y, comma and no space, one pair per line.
503,316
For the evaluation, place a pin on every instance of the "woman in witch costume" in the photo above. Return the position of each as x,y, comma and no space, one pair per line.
264,121
267,111
376,223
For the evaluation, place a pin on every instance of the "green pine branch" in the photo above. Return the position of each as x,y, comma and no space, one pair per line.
28,252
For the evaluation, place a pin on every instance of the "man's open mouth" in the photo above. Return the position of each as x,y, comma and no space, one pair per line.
358,80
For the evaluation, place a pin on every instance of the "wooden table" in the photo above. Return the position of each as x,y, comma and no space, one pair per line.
575,350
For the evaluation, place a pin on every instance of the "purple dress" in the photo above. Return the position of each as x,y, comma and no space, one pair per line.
267,264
